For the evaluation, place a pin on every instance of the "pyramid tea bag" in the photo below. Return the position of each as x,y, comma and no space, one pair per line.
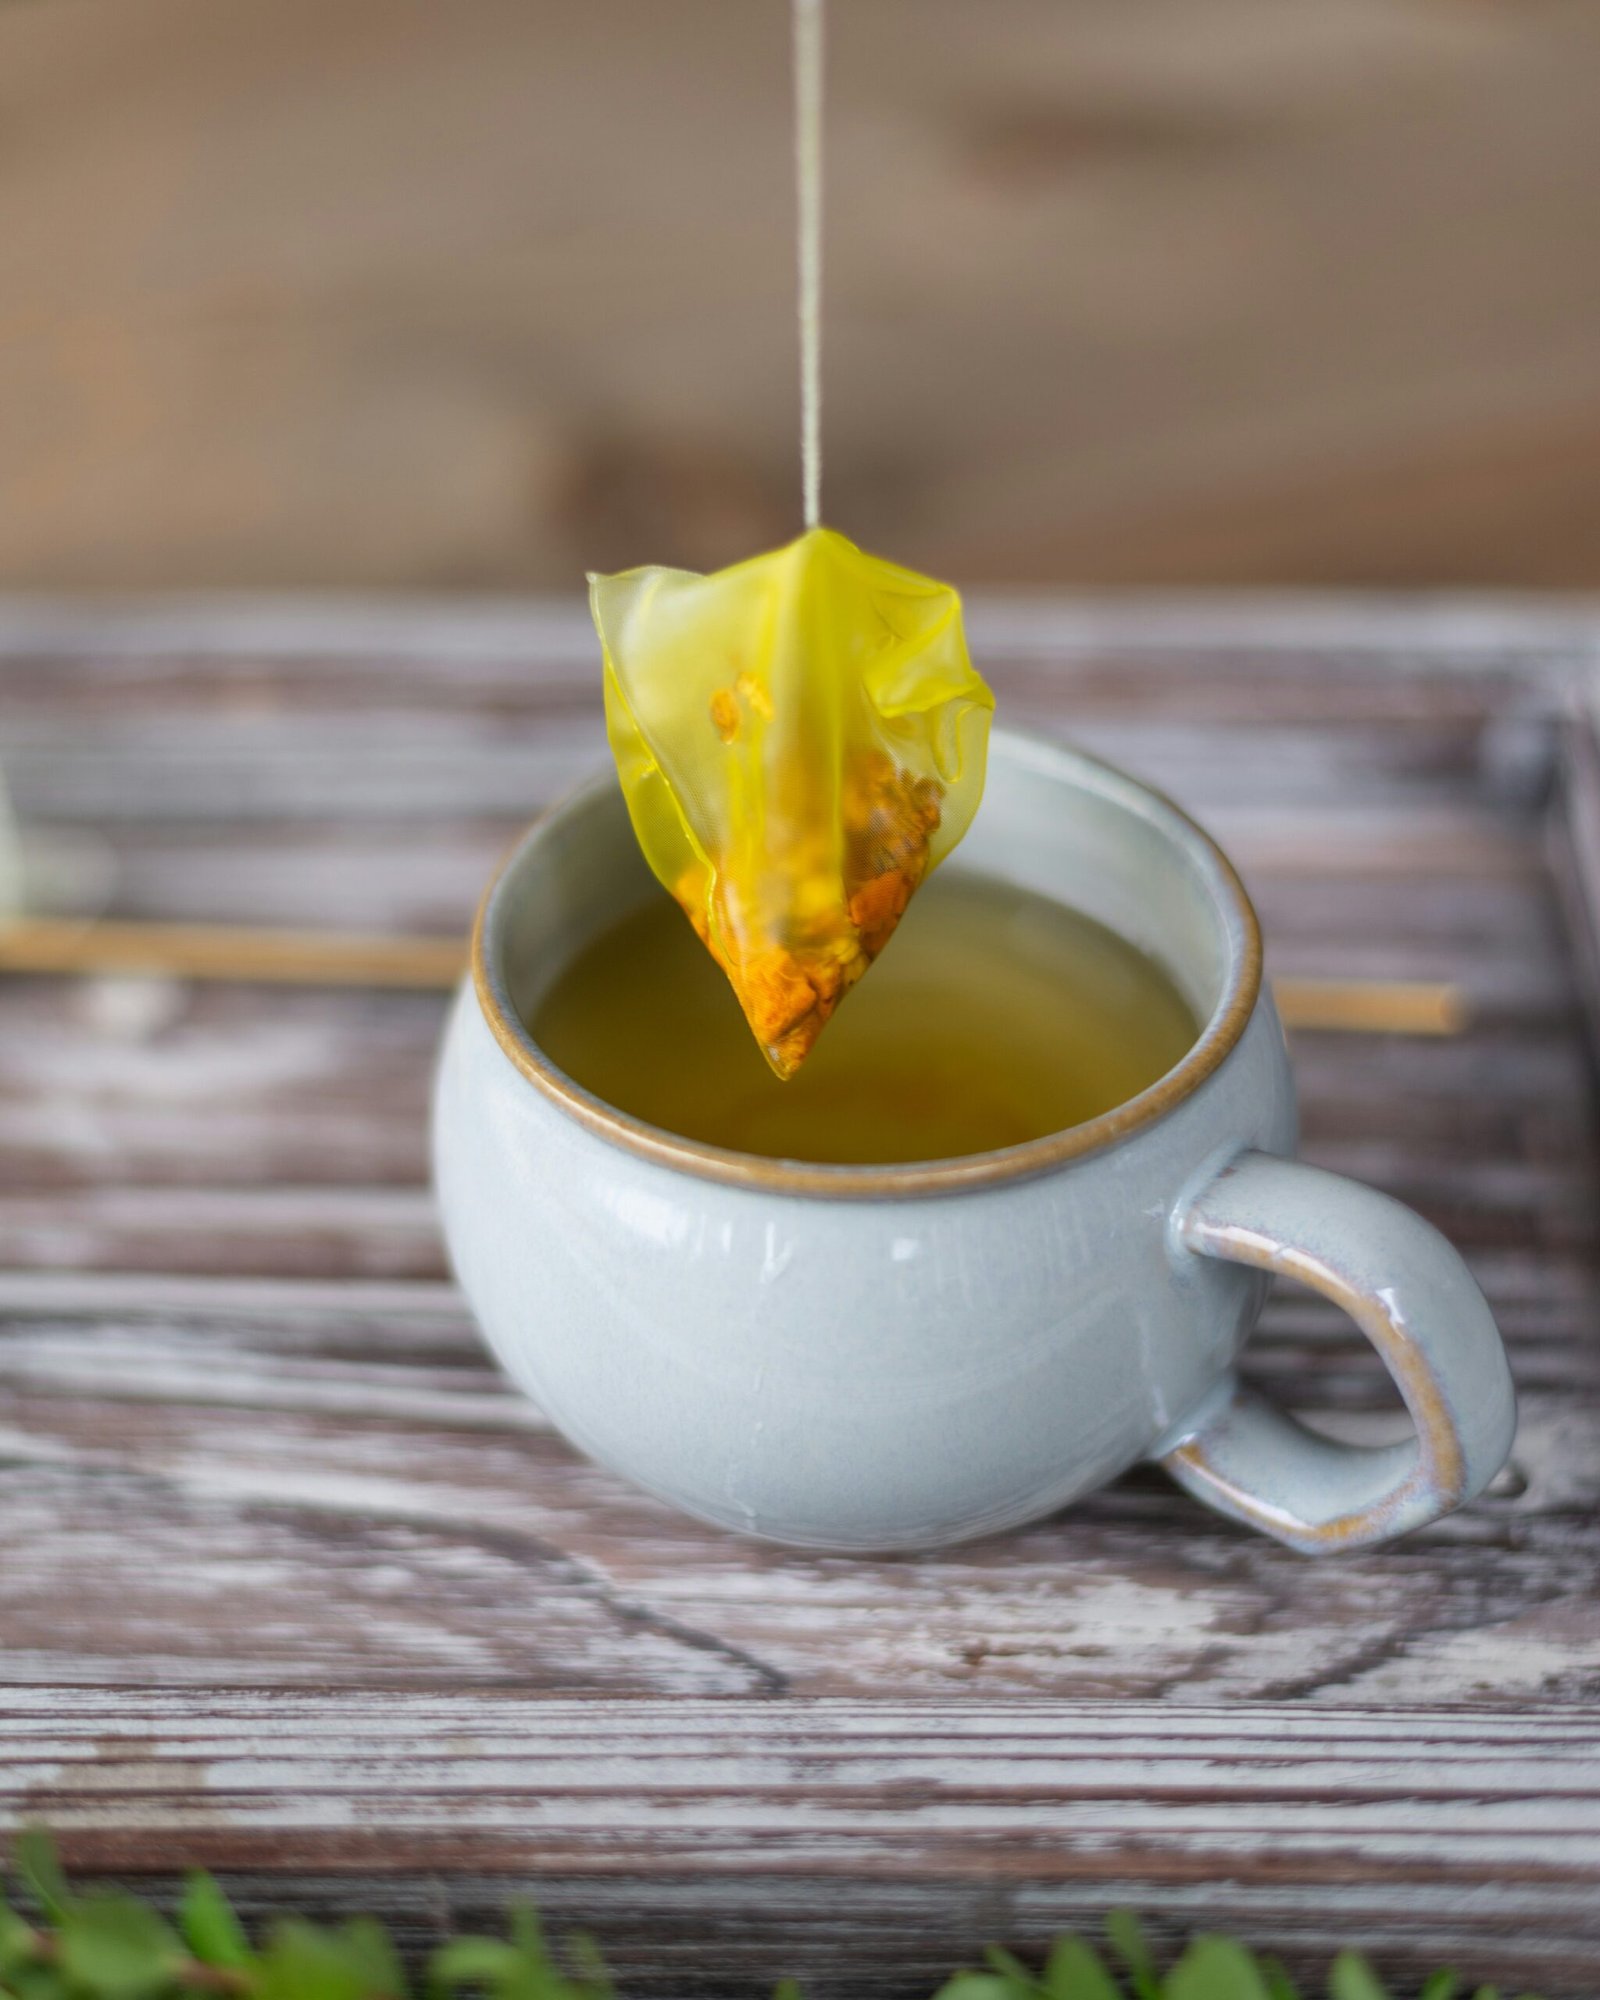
800,739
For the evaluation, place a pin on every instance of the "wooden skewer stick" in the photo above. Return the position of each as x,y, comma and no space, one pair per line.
434,964
230,951
1372,1006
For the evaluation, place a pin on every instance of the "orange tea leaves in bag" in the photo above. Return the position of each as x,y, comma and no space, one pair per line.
800,739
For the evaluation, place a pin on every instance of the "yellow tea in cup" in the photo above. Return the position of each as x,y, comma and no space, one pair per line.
994,1016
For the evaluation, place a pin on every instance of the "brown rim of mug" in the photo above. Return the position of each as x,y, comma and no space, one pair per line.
913,1179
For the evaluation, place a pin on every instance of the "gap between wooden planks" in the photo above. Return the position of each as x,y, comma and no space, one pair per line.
330,958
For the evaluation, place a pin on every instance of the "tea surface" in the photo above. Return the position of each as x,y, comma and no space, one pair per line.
993,1016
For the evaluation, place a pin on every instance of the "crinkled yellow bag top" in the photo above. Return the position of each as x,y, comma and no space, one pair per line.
800,739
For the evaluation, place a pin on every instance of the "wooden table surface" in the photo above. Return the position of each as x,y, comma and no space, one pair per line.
296,1587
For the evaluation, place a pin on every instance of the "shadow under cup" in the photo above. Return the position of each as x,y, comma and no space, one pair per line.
1104,847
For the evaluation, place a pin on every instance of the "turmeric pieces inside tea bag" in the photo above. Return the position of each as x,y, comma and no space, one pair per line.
800,739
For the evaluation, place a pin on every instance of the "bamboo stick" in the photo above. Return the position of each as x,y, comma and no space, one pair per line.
227,951
432,964
1372,1006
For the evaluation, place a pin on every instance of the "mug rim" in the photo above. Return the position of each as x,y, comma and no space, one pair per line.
1220,1035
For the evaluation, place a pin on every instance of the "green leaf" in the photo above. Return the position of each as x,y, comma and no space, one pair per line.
529,1971
37,1982
537,1973
368,1949
1020,1982
976,1986
110,1947
210,1928
1128,1942
305,1962
527,1933
39,1868
471,1961
116,1947
1351,1978
1215,1968
18,1939
1074,1972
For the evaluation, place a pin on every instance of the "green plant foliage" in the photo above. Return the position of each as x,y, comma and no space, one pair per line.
210,1929
1074,1972
115,1947
1127,1941
39,1868
112,1947
1216,1968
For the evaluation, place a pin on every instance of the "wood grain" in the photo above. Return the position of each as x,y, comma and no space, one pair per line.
719,1830
293,1584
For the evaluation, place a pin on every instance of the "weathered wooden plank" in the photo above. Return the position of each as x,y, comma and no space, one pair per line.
315,1231
1573,848
383,875
1283,636
311,1518
232,1370
1420,1832
250,1301
285,764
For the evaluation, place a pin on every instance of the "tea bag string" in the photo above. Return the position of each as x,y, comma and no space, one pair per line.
808,194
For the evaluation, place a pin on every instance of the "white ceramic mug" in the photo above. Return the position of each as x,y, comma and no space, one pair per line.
893,1357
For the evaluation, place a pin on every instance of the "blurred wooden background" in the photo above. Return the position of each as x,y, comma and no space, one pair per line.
378,292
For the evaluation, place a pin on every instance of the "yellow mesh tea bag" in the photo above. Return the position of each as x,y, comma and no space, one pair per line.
800,739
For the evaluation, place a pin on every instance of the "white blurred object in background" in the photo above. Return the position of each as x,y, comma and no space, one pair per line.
11,870
55,874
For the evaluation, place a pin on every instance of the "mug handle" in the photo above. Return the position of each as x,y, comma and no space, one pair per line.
1414,1299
